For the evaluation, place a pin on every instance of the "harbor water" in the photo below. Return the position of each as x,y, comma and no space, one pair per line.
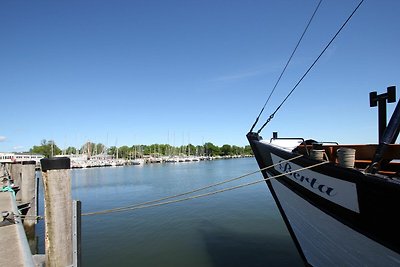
241,227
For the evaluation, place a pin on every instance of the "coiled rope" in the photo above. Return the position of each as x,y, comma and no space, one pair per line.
8,189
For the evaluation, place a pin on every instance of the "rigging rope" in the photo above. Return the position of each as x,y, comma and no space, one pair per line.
201,195
312,65
151,203
284,69
205,187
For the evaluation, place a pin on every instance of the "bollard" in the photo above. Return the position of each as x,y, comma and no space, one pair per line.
58,211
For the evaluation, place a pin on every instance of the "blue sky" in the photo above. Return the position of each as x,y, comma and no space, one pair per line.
142,72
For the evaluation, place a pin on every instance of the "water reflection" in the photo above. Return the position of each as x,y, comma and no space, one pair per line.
235,228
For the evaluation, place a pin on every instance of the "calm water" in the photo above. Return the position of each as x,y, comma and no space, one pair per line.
235,228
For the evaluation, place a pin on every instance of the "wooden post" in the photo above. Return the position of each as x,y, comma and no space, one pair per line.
28,188
16,177
58,211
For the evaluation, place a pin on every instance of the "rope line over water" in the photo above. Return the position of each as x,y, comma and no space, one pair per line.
156,203
202,188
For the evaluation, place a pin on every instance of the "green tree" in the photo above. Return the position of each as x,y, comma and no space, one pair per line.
46,148
146,150
237,150
248,150
88,148
226,150
138,149
211,150
70,150
191,149
112,150
100,148
123,152
199,150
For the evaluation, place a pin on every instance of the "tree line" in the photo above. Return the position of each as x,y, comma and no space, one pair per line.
48,148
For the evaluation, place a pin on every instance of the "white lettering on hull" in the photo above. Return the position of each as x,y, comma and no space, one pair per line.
341,192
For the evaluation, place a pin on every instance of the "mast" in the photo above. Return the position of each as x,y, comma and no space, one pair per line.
52,148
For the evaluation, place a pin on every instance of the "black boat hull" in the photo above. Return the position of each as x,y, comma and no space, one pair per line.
336,216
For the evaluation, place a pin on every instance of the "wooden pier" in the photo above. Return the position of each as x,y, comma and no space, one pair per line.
14,247
18,199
